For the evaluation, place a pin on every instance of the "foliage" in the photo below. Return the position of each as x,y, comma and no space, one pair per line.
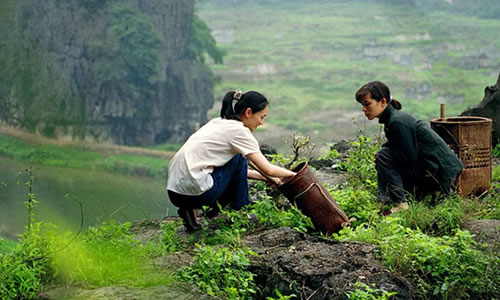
271,216
261,213
28,267
450,265
443,218
280,296
201,41
169,238
222,272
359,204
130,58
109,254
75,157
496,150
495,175
359,163
487,207
331,153
6,245
365,292
301,148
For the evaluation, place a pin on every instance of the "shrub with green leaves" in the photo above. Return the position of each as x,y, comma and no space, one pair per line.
222,272
281,296
450,266
440,219
360,204
365,292
496,150
271,216
359,163
170,240
266,214
25,269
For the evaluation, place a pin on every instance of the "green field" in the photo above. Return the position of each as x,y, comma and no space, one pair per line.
309,58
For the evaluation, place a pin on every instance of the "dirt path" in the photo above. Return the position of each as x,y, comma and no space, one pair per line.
107,149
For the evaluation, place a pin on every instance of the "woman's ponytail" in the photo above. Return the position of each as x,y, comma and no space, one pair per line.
227,110
396,104
235,103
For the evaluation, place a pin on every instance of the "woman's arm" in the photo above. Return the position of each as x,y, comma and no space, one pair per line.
267,168
252,174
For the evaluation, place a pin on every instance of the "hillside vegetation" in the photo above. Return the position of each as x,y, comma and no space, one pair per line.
309,58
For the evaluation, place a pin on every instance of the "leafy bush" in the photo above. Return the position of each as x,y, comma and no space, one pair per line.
222,272
449,265
25,269
271,216
170,239
440,219
496,150
359,163
357,203
365,292
281,296
495,176
201,41
129,59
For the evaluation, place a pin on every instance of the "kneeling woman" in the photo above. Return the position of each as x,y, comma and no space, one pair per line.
212,165
415,159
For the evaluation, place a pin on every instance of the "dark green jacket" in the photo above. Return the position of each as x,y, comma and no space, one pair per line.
417,149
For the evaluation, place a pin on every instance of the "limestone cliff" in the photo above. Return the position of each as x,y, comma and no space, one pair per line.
113,71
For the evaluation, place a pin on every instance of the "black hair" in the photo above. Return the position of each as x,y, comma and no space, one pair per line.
232,108
378,90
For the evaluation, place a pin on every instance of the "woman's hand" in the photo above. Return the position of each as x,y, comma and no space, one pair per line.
266,168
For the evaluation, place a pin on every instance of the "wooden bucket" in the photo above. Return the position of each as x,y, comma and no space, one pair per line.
312,198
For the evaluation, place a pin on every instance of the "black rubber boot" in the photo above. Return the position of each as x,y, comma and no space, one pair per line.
187,216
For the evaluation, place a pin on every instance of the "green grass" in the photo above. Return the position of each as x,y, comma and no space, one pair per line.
6,245
314,51
71,157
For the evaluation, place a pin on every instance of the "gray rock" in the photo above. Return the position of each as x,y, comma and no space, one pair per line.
486,232
71,44
316,268
489,108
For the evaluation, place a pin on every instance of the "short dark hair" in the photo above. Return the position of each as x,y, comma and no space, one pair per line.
251,99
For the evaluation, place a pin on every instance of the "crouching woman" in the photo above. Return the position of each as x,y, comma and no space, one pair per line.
415,159
212,165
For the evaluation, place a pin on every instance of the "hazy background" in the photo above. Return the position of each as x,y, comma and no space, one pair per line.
309,58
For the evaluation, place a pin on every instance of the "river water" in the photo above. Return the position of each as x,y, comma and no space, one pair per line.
104,196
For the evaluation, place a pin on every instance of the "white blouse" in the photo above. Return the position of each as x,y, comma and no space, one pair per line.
213,145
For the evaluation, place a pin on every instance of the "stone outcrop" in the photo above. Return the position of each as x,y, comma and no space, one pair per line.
489,108
316,268
64,49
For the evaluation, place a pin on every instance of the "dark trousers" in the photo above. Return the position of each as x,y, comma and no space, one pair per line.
230,187
394,185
